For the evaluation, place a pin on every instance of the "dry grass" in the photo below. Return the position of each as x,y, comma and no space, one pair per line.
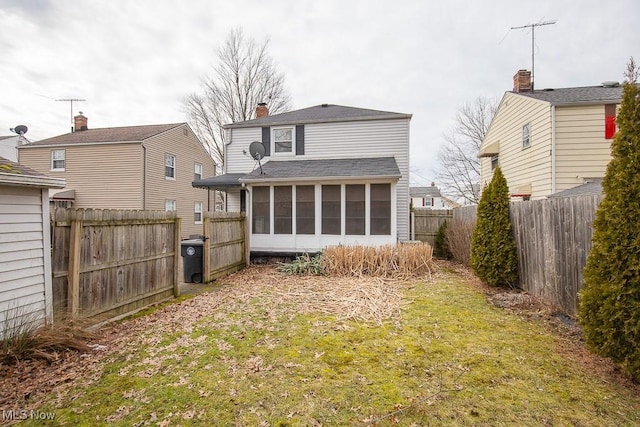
390,261
458,238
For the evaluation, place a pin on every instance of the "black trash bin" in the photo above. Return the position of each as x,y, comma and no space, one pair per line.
192,260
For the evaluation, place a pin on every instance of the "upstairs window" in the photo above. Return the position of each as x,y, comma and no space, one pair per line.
57,160
494,161
169,166
526,135
609,121
197,172
283,140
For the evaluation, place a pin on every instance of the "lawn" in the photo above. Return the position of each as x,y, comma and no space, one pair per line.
269,349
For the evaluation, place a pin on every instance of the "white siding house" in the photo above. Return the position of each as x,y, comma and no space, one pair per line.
330,175
25,255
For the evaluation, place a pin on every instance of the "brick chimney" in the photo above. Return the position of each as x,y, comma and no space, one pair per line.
262,110
522,81
80,123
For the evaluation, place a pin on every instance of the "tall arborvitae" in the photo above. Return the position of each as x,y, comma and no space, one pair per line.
494,256
609,308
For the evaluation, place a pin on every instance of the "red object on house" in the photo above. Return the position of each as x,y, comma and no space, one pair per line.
609,121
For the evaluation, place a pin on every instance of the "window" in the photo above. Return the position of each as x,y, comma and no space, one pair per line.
170,205
197,212
197,172
494,161
57,160
526,135
261,207
282,202
380,209
283,140
609,121
169,166
331,218
355,209
305,209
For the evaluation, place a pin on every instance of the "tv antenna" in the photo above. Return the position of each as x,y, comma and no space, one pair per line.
71,100
257,151
20,130
533,38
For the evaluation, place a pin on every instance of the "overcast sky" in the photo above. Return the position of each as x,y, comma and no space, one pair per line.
135,61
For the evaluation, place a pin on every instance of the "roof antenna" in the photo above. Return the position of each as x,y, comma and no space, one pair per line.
533,32
71,101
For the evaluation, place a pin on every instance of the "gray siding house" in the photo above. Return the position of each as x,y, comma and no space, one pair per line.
330,175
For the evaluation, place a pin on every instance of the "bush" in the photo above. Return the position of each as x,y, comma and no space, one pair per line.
494,256
441,247
458,237
609,309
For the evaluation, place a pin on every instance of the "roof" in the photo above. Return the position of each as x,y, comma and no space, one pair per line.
378,167
7,137
12,173
220,182
577,95
431,191
590,187
320,114
114,134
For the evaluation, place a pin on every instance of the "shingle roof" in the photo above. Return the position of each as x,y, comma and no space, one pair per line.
7,137
320,114
7,166
577,95
115,134
431,191
379,167
219,182
590,187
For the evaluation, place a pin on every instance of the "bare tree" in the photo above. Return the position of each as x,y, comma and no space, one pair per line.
632,72
459,169
244,76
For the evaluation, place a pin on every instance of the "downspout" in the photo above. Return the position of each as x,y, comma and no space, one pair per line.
144,177
553,149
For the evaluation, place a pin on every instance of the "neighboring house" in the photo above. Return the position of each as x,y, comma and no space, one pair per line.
9,146
550,140
25,255
331,175
134,167
427,197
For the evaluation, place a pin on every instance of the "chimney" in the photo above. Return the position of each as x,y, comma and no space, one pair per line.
262,110
80,123
522,81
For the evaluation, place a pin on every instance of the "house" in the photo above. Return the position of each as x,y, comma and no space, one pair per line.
147,167
25,256
550,140
329,175
9,146
427,197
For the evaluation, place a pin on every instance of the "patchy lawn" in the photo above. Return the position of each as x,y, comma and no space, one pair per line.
276,350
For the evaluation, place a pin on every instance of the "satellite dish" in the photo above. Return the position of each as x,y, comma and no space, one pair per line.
257,150
20,129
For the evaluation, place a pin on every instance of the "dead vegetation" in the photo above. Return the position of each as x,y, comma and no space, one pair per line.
458,238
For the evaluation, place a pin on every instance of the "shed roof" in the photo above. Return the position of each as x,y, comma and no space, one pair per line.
591,186
320,114
12,173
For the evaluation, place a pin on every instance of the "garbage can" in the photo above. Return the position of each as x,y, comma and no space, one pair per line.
192,260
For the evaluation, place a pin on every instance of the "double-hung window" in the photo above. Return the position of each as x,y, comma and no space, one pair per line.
526,135
57,160
169,166
170,205
283,140
197,172
197,212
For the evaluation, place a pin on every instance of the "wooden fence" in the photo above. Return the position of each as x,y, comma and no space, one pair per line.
426,222
553,237
226,246
106,263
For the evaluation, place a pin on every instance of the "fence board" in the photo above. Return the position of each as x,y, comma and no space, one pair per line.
426,223
226,245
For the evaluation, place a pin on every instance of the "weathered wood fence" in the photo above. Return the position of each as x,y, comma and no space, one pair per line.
225,248
553,237
106,263
426,223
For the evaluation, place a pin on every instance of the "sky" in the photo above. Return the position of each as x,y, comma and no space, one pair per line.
134,62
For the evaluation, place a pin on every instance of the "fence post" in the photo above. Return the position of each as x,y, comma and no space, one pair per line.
247,246
206,249
177,234
73,274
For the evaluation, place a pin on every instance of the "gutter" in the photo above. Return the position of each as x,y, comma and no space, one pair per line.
553,149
